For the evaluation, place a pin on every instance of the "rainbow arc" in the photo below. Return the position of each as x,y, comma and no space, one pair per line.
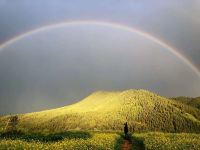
114,25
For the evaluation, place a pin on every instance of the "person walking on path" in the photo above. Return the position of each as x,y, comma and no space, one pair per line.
126,130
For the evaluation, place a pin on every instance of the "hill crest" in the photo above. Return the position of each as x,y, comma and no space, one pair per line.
103,110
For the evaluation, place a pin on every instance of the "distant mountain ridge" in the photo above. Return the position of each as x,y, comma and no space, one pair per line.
194,102
103,110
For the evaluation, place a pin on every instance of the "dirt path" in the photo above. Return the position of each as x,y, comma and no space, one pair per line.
127,145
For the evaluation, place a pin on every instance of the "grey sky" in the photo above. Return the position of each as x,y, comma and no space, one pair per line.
61,66
173,21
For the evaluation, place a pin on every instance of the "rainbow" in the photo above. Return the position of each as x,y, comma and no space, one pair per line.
114,25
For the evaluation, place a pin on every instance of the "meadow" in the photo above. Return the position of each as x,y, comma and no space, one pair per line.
68,140
166,141
90,140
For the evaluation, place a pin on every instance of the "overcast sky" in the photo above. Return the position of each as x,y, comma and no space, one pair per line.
61,66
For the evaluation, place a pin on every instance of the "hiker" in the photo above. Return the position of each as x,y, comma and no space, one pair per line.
126,129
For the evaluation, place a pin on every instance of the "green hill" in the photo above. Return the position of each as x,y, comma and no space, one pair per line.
143,110
194,102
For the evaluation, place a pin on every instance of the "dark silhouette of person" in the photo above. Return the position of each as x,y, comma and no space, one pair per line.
126,129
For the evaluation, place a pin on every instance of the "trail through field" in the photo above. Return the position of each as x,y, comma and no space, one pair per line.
126,145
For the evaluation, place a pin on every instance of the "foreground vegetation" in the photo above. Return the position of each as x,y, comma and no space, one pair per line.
167,141
82,140
60,141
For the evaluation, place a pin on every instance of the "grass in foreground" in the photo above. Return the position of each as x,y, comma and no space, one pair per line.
44,137
168,141
69,141
82,140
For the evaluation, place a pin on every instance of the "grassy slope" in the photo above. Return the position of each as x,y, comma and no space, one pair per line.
109,110
194,102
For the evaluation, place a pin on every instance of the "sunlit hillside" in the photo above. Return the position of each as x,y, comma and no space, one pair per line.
143,110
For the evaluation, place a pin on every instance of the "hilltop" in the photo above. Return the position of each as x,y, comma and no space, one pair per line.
103,110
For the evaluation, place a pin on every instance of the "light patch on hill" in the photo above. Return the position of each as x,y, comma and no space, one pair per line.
103,110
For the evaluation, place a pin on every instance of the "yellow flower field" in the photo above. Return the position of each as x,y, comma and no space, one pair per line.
169,141
97,141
